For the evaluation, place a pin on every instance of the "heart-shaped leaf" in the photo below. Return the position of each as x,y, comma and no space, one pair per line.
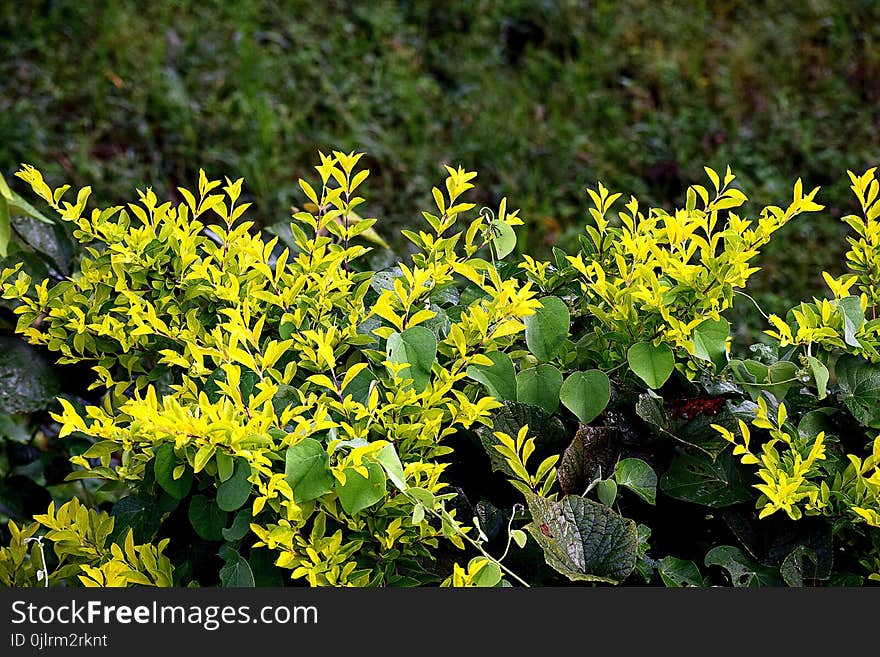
504,241
499,377
539,386
416,346
652,363
234,492
547,329
307,470
710,341
639,477
700,479
359,492
586,394
164,465
860,384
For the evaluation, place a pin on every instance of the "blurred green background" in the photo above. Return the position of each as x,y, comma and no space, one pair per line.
542,98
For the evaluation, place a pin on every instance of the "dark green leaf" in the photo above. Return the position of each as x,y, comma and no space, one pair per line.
584,540
418,347
820,375
27,381
860,385
206,518
499,377
639,477
800,564
547,329
743,570
586,394
588,455
234,492
359,492
142,517
236,573
606,491
700,479
163,467
783,374
677,572
241,525
549,432
539,386
653,364
307,470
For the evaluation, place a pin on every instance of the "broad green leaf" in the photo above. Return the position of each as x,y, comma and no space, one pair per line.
163,467
694,431
820,375
743,570
206,518
783,374
853,319
225,465
677,572
639,477
504,241
747,372
653,364
586,394
418,347
307,470
584,540
359,492
800,564
489,575
388,459
236,572
547,329
860,387
606,491
699,479
28,382
550,434
710,341
142,517
539,386
234,492
499,377
241,525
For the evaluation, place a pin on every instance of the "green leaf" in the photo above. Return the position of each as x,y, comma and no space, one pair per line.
853,319
743,570
28,382
225,465
582,539
418,347
519,537
590,453
747,372
143,518
547,329
783,374
699,479
586,394
606,491
206,518
696,431
504,240
388,459
820,375
307,470
241,525
234,492
860,387
163,466
489,575
652,364
499,377
359,492
236,573
710,341
677,572
639,477
539,386
800,564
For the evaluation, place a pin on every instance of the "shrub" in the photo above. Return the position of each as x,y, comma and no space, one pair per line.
280,406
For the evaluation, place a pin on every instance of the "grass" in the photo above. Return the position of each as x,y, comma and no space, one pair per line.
543,98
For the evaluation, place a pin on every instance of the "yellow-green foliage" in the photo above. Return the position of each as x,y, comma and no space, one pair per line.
792,476
209,338
80,538
651,275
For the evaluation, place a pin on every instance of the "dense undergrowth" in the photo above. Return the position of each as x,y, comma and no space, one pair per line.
305,408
